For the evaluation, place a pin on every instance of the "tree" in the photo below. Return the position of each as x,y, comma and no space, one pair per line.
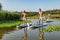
0,6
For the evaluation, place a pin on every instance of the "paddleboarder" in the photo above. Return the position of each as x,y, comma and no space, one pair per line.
41,16
41,20
24,17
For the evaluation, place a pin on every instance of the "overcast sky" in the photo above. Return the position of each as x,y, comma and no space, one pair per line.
30,5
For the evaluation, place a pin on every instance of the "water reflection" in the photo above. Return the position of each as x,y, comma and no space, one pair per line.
41,34
6,30
29,34
25,34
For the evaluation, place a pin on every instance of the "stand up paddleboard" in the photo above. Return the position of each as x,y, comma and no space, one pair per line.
48,20
39,25
24,25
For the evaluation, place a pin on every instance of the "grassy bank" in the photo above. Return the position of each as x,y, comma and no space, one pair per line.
52,28
9,23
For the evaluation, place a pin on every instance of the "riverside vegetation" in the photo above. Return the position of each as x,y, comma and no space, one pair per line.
52,28
7,17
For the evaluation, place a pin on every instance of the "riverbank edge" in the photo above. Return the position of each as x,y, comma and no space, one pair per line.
9,25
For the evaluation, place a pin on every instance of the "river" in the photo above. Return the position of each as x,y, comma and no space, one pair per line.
32,34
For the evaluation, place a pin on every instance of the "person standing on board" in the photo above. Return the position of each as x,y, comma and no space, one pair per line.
41,20
24,17
41,17
25,22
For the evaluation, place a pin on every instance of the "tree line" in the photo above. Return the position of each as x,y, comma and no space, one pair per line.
4,15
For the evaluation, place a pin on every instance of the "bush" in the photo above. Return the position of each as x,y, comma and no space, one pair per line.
4,15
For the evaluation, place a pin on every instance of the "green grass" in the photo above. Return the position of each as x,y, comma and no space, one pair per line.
10,23
52,28
8,26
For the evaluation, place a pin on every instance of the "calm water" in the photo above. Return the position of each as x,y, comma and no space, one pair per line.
30,34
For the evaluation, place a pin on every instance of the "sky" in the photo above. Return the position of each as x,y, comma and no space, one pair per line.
29,5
